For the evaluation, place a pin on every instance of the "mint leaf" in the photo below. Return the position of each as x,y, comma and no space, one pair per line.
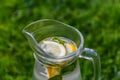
57,77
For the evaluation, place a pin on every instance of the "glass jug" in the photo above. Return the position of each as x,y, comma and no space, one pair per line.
60,68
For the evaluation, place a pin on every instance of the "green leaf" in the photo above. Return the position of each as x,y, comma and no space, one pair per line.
58,77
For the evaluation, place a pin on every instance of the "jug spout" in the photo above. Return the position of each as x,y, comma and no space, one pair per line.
31,39
29,34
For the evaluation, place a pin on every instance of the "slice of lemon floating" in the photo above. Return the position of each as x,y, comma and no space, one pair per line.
53,48
70,47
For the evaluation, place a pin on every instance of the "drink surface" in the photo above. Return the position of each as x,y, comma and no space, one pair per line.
57,47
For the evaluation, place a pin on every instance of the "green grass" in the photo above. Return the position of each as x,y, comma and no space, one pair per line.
98,20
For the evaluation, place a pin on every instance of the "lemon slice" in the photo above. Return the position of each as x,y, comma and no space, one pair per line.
53,48
53,71
70,47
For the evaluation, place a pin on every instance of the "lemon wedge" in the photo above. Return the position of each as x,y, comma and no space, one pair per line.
53,48
70,47
53,71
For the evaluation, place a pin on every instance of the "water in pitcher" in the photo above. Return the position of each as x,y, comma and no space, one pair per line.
57,47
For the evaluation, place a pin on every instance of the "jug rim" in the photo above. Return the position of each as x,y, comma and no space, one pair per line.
79,49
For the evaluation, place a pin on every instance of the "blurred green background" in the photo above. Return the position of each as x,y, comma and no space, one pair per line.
98,20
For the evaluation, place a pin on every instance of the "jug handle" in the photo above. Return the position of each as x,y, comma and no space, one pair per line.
91,55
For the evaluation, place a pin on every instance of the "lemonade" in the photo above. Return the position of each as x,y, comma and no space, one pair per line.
58,47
